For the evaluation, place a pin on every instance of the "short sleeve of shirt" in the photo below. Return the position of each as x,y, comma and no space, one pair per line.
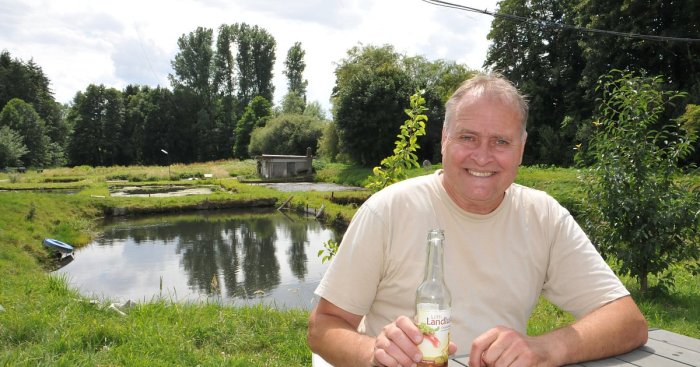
361,255
578,279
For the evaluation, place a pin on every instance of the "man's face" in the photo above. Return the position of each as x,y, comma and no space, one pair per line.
481,151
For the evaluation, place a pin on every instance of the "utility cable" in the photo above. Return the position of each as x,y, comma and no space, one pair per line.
544,23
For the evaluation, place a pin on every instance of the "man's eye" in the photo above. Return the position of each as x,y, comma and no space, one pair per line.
502,142
466,138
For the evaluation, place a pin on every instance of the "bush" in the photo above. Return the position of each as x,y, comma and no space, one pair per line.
636,209
286,134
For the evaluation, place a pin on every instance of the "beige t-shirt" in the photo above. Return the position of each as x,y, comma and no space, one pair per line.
496,265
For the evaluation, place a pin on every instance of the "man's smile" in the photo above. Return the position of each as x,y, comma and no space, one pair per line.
480,173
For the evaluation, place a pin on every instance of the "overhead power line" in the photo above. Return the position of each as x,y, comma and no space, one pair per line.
545,23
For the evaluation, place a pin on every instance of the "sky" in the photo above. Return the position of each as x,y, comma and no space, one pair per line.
117,43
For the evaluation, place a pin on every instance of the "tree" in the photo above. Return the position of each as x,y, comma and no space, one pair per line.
438,80
558,67
691,122
256,115
151,125
21,117
368,99
294,70
11,147
678,62
194,73
286,134
225,84
372,85
314,109
636,210
26,81
216,85
329,144
255,60
293,103
545,62
115,137
97,116
393,168
192,64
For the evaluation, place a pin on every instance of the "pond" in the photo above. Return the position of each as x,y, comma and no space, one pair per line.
232,257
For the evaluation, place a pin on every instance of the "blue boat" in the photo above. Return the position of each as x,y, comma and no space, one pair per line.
57,245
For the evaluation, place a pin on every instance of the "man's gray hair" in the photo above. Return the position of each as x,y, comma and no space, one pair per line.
487,84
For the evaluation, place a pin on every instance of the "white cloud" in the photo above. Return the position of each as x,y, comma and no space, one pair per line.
84,42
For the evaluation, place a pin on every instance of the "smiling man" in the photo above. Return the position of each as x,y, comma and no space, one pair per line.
506,245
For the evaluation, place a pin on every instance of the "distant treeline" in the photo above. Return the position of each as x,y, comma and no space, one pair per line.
220,101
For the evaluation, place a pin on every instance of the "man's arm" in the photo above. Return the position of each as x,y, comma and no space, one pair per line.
333,335
612,329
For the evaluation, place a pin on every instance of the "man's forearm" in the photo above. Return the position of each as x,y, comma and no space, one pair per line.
613,329
338,343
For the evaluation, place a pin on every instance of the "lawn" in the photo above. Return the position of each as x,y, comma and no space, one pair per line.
43,322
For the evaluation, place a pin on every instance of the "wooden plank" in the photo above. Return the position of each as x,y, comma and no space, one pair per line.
460,360
675,339
463,360
672,352
664,349
608,362
644,358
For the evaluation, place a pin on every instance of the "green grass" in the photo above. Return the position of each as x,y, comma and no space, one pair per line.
54,325
46,323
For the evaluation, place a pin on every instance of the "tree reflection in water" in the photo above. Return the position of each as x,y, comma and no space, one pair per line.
222,254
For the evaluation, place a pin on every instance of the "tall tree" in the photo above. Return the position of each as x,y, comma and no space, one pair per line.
557,67
194,72
677,61
21,117
114,137
369,99
255,60
373,85
438,79
225,85
218,84
97,116
26,81
545,62
150,123
294,70
193,64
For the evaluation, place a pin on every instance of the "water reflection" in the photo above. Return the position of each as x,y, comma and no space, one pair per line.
228,256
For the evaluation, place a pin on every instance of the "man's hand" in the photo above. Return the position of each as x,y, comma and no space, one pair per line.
612,329
397,344
502,346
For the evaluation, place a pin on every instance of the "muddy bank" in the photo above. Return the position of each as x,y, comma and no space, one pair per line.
204,205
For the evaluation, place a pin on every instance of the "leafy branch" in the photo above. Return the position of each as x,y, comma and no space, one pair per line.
393,168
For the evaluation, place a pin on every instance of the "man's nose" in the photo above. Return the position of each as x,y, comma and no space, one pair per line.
482,153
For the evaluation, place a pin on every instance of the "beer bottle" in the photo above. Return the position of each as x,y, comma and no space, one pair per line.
433,301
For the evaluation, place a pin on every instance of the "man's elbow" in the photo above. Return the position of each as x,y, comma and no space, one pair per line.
312,334
641,327
636,328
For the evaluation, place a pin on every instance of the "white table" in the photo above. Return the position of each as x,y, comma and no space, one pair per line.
663,349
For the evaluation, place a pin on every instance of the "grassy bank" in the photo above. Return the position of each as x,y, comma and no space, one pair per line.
45,323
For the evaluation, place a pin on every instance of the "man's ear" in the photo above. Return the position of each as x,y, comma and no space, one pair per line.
443,140
522,147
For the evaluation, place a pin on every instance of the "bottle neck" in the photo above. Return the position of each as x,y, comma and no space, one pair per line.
434,266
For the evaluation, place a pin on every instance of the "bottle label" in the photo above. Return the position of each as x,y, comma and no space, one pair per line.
434,323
